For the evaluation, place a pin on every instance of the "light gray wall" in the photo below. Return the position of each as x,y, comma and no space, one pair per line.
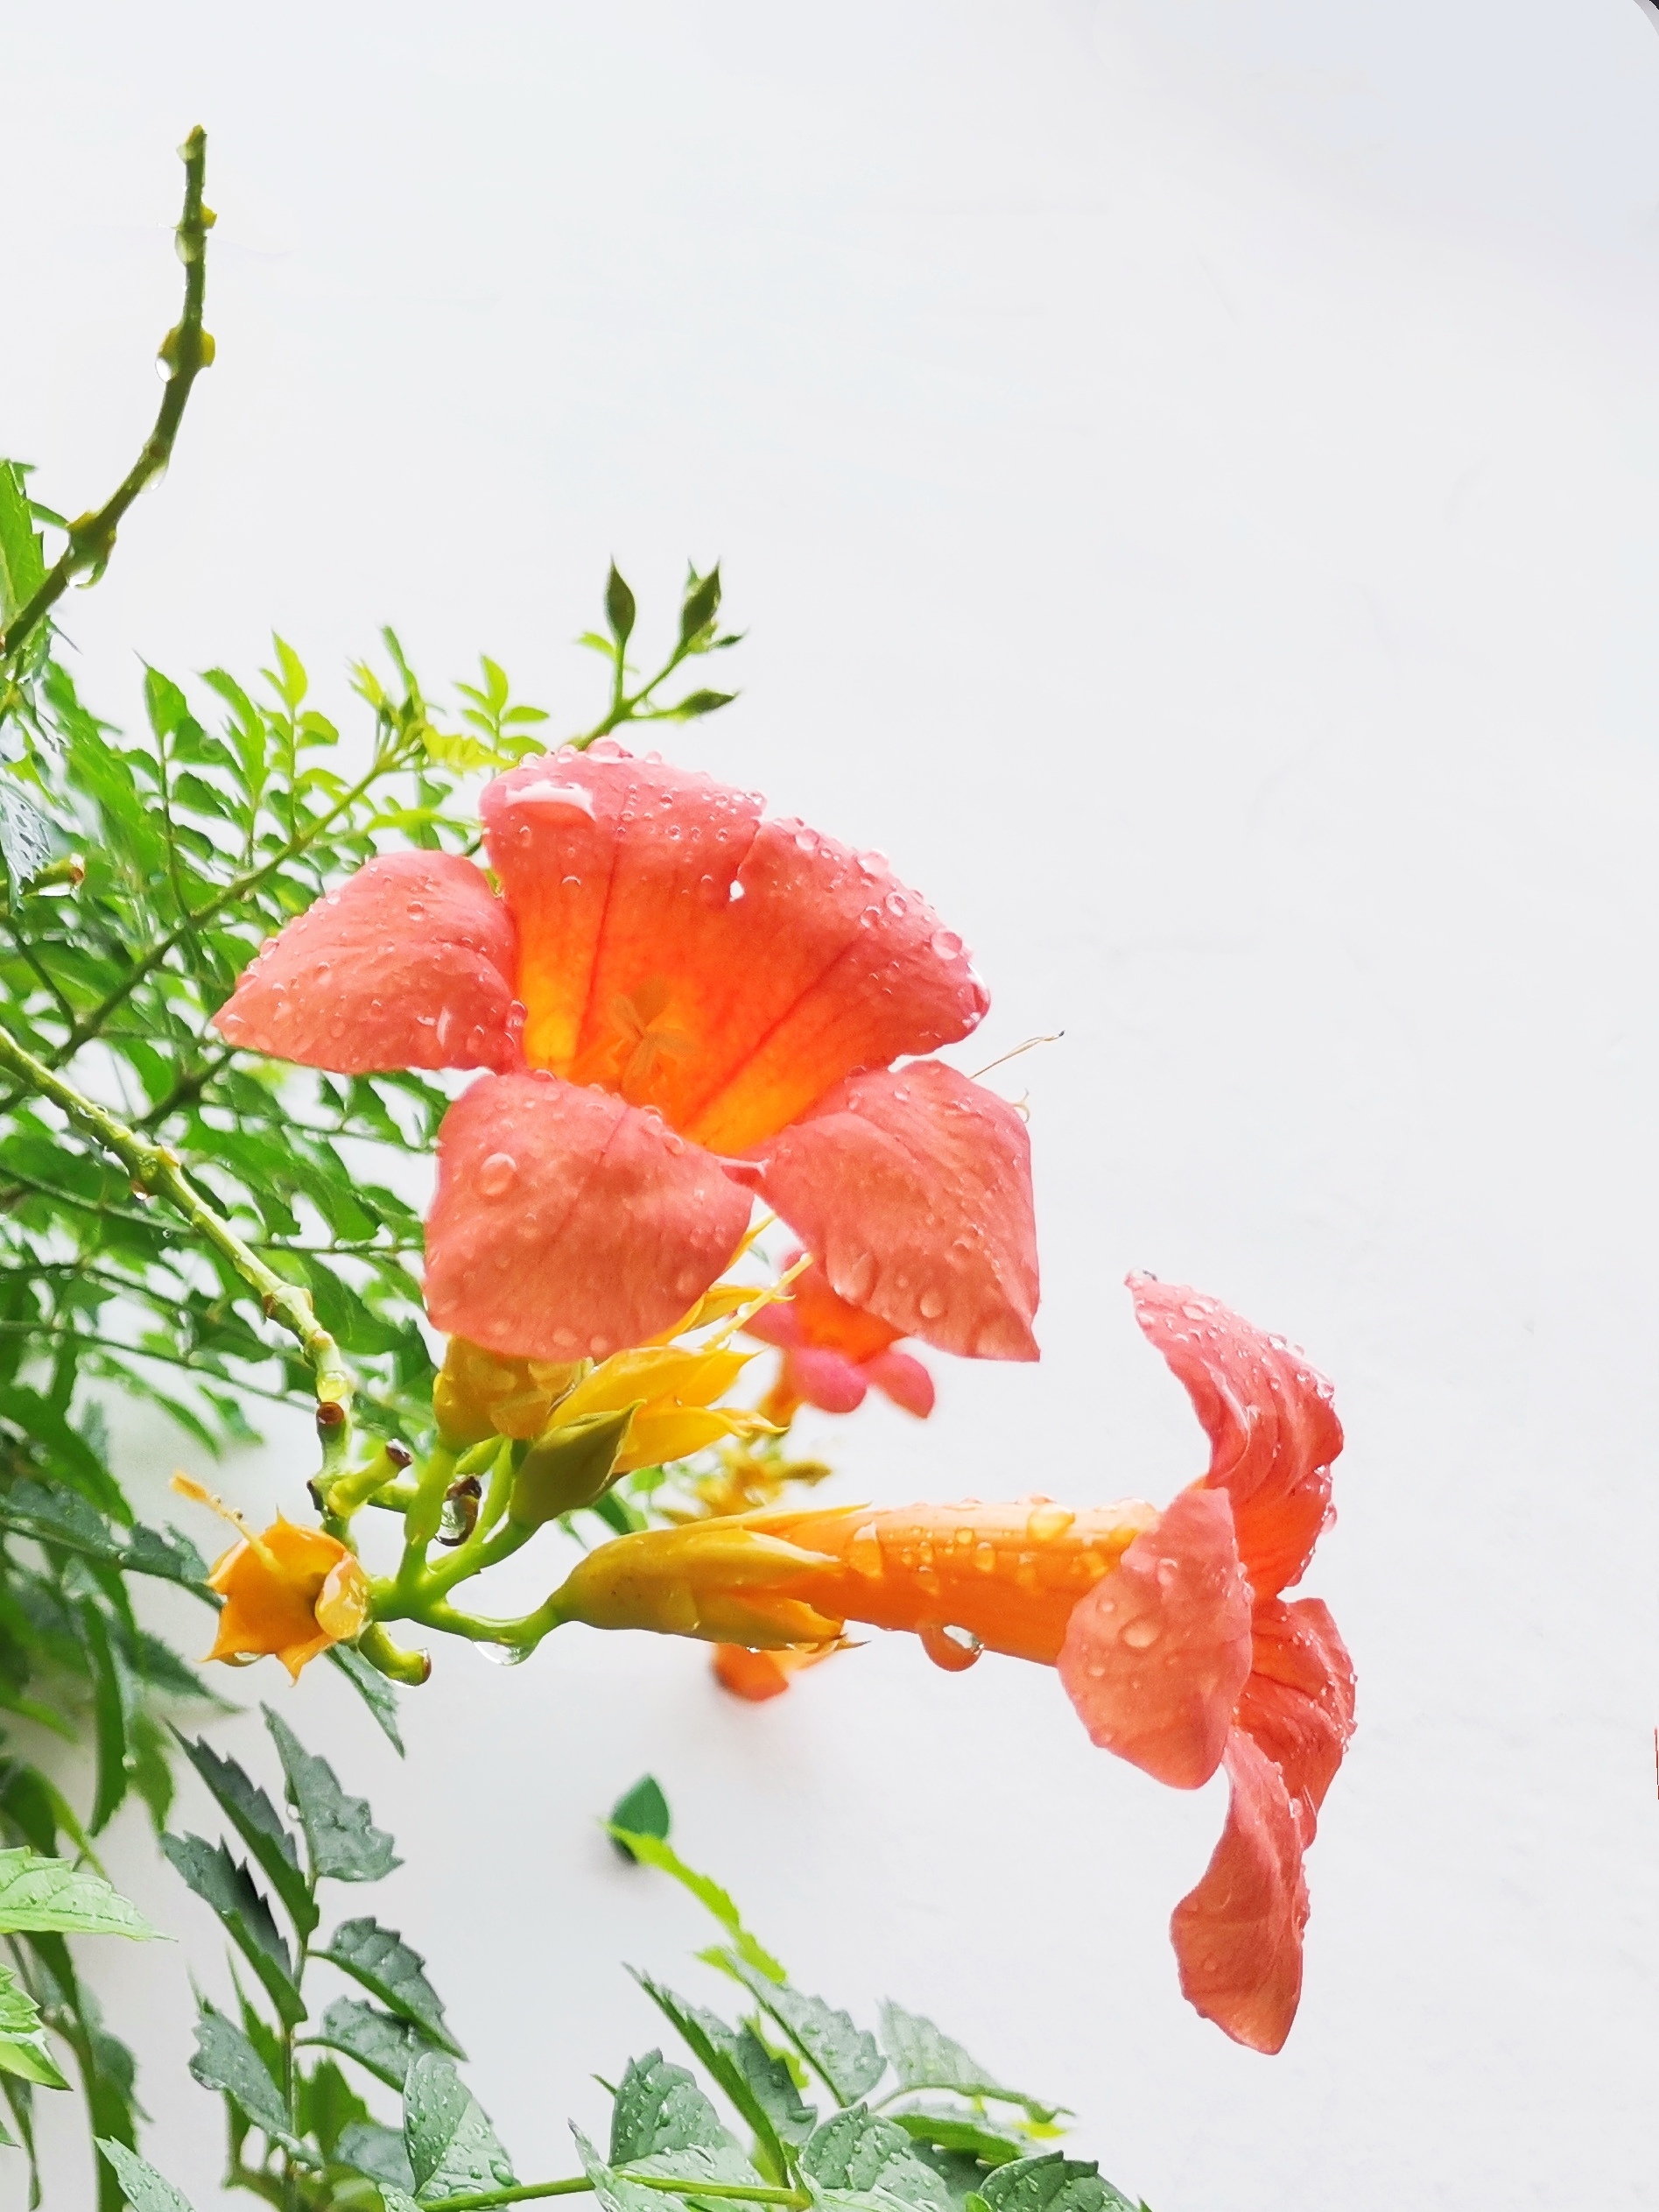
1190,470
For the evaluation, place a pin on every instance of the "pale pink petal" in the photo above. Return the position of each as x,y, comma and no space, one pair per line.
1238,1936
913,1187
411,964
1272,1429
1298,1705
1155,1654
902,1379
725,970
828,1380
568,1224
776,1324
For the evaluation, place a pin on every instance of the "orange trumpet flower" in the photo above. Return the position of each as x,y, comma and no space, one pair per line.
1169,1630
289,1592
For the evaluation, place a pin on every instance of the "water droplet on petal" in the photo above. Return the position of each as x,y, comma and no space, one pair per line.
931,1305
1141,1635
1049,1521
858,1278
954,1649
497,1175
985,1558
945,943
864,1551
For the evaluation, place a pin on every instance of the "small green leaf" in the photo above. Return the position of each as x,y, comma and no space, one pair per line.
846,2059
376,1692
653,1851
345,1844
1051,2183
226,2060
659,2107
326,2106
22,567
229,1888
696,703
925,2058
23,2049
641,1811
386,2047
388,1969
619,608
259,1824
450,2146
41,1895
146,2190
961,2134
701,605
859,2150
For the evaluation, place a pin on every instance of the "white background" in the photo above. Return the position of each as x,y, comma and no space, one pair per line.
1190,470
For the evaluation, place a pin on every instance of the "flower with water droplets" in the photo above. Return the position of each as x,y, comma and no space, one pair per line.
678,1005
833,1351
289,1592
1170,1631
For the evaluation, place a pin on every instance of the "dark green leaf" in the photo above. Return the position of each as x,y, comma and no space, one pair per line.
859,2150
641,1811
229,1890
225,2060
848,2058
450,2146
388,1969
619,608
695,703
345,1844
259,1824
701,605
376,1692
367,2147
925,2058
387,2047
145,2190
326,2106
111,1709
659,2107
1051,2183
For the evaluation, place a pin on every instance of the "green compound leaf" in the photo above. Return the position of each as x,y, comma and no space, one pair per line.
345,1844
23,2049
1052,2183
653,1851
759,2086
388,1969
46,1896
450,2146
227,2061
146,2190
259,1824
659,2107
858,2151
387,2047
229,1888
924,2057
846,2059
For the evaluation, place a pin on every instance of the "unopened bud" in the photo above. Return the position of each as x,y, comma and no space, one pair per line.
569,1466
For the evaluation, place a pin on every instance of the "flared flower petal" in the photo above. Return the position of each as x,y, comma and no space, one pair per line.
1238,1935
1156,1655
812,1375
568,1224
411,964
902,1379
290,1593
757,1676
1272,1429
913,1186
727,970
1298,1705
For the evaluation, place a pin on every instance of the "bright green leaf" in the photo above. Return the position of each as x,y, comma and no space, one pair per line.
39,1895
146,2190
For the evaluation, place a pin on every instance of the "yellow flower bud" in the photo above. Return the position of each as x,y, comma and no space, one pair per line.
722,1581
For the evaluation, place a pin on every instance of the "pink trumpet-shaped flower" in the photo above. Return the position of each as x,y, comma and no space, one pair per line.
835,1353
679,1005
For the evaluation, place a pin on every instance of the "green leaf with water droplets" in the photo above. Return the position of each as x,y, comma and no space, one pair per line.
259,1824
145,2190
659,2107
759,2085
846,2059
23,2049
345,1844
376,1692
388,1969
227,1887
226,2060
450,2143
386,2047
48,1896
924,2057
1052,2183
861,2151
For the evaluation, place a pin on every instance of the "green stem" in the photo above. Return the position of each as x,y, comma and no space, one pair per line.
154,1167
526,2192
186,350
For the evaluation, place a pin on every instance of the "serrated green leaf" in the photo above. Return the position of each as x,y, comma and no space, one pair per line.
760,2087
146,2190
846,2059
40,1895
924,2057
1051,2183
376,1692
388,1969
655,1852
345,1844
861,2151
23,2049
641,1811
659,2107
226,1886
326,2105
259,1824
367,2147
386,2047
612,2192
450,2146
225,2060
